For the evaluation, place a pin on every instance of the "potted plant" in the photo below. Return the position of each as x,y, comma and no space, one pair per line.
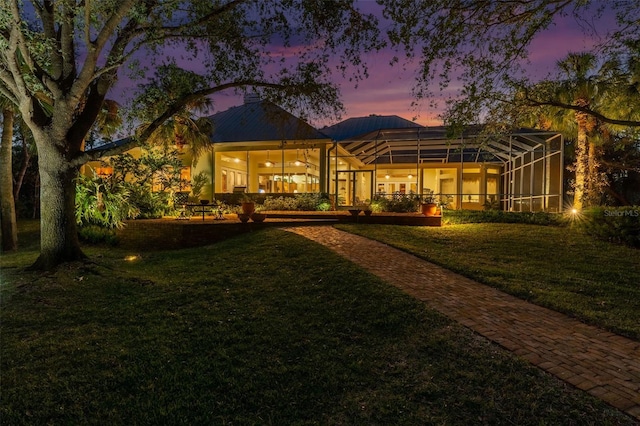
366,208
248,205
258,215
429,205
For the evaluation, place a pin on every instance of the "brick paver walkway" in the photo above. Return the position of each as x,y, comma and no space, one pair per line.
602,363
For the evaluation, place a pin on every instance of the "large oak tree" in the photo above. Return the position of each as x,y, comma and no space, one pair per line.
60,59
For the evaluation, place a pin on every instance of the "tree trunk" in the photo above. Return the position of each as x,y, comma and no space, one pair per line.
58,231
581,149
36,197
7,202
595,179
26,158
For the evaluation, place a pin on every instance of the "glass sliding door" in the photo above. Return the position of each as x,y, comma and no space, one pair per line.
353,186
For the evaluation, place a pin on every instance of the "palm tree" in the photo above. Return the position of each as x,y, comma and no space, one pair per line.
580,89
605,91
184,129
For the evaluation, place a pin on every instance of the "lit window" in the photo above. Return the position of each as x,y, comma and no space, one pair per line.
104,171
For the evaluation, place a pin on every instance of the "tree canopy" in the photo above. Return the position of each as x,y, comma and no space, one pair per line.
61,59
483,47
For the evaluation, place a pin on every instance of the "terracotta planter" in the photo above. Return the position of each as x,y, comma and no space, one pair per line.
429,209
367,212
354,212
248,207
258,217
244,218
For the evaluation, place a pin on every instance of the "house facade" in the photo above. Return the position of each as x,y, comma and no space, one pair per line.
258,147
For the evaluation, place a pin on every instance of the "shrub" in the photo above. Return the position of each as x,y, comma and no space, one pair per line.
198,183
152,179
151,205
280,203
397,203
615,224
304,202
95,234
451,217
314,201
103,202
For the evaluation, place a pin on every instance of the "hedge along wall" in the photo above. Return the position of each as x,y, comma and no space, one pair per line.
614,224
454,217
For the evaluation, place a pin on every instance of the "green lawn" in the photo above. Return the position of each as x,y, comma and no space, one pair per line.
557,267
264,328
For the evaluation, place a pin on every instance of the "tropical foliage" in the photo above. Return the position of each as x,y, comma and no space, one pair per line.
615,224
152,179
183,130
103,202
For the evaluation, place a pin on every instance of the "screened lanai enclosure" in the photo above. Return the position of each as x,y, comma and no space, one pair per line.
362,158
521,171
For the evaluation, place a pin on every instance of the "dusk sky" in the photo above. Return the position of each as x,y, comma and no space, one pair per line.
387,91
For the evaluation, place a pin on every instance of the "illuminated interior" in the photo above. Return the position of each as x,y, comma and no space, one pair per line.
258,148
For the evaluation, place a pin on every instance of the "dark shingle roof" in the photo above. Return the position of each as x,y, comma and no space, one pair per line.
358,126
110,145
260,121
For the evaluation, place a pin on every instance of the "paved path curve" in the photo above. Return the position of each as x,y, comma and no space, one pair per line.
602,363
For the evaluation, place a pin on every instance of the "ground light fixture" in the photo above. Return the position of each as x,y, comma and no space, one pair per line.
574,214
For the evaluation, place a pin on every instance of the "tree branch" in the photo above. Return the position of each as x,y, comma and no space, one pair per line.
5,88
11,54
67,43
86,75
168,113
586,110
